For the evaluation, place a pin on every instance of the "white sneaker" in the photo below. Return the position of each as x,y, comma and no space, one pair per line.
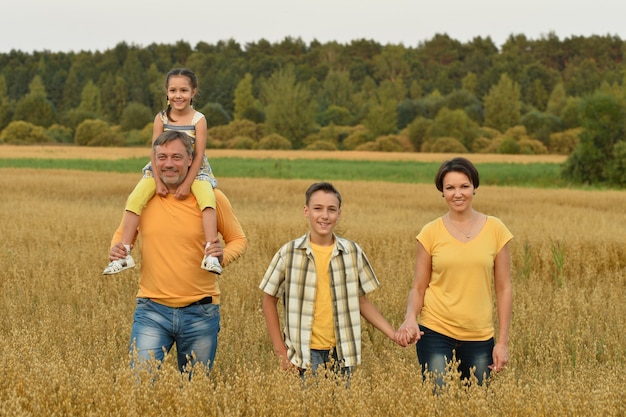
120,264
211,263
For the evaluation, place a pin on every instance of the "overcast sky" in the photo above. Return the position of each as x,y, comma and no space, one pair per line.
75,25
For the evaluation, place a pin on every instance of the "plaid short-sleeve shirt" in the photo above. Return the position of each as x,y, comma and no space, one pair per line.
291,276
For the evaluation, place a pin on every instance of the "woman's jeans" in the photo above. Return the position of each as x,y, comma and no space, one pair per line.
435,350
193,328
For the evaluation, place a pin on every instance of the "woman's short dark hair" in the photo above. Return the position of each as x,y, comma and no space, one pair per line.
321,186
458,164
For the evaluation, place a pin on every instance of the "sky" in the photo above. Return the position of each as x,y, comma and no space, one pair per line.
90,25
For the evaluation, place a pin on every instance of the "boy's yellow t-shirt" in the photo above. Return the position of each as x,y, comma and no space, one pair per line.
323,331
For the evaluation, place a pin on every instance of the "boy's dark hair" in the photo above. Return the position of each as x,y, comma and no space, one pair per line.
321,186
458,164
172,135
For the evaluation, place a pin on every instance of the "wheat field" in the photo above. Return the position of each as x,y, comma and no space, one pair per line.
65,327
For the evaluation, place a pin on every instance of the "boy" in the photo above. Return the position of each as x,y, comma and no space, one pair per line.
323,280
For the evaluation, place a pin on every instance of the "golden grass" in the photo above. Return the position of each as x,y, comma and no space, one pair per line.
65,327
75,152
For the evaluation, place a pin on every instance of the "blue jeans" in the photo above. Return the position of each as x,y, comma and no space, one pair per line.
327,359
434,350
193,328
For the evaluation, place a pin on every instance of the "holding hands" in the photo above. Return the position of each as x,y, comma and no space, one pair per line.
408,333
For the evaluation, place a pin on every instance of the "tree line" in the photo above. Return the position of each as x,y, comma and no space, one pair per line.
534,96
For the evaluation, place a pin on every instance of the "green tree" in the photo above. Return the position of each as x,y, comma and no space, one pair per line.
244,99
97,133
536,82
557,100
541,125
382,116
336,115
602,117
582,76
114,96
337,90
289,108
59,134
90,100
35,107
470,83
417,131
444,145
502,104
274,141
6,110
156,89
71,90
466,101
135,116
23,133
391,64
616,169
456,124
134,75
215,114
415,90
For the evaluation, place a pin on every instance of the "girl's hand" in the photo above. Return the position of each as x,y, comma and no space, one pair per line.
182,192
162,190
118,251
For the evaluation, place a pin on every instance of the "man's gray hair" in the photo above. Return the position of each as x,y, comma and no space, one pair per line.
172,135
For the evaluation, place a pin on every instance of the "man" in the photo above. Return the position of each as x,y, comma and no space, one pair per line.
178,302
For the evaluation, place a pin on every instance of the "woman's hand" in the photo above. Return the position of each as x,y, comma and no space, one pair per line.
500,357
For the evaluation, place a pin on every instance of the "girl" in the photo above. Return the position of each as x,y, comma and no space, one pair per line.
181,85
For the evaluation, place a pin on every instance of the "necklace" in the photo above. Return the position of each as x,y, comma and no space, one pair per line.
467,234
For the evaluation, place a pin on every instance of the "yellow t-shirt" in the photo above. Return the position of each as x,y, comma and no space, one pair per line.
172,250
323,331
458,301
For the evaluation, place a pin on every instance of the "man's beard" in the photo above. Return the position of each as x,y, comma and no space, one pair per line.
171,180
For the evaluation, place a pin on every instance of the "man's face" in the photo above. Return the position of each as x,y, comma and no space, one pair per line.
173,163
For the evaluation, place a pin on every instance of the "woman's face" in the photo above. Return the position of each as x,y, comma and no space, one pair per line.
458,191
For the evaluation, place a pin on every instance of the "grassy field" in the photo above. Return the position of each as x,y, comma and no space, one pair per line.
519,170
65,327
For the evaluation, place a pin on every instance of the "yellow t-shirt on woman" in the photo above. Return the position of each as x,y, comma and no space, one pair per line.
458,301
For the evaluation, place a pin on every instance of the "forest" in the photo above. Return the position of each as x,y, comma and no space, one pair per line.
528,96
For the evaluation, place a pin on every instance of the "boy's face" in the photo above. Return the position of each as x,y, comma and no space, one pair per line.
323,212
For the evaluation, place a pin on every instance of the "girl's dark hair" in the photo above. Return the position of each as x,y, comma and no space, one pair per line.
458,164
185,72
321,186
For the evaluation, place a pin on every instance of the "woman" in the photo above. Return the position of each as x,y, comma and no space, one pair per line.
458,257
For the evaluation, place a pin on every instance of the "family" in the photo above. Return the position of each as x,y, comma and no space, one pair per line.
321,279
